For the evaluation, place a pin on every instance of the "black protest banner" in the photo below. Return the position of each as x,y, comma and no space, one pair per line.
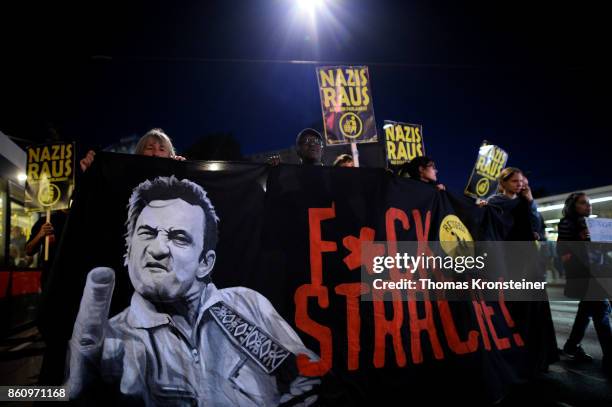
316,224
298,245
50,176
346,101
483,180
403,142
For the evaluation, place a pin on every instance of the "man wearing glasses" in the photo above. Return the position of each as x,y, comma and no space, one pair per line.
309,147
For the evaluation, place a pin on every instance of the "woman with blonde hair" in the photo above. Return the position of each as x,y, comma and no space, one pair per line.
521,221
513,185
155,143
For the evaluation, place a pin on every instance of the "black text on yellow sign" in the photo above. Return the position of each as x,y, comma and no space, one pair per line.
346,103
404,142
483,181
50,176
491,160
50,162
345,89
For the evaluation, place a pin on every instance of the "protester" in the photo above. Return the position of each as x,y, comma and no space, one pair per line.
309,147
513,185
54,348
422,169
41,229
344,160
573,232
155,143
516,212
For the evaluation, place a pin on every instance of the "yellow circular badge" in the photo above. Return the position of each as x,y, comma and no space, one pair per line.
350,125
454,237
49,194
482,187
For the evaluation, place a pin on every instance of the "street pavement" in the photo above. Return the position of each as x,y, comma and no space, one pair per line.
567,383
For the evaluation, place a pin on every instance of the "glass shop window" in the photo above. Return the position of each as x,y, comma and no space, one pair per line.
21,226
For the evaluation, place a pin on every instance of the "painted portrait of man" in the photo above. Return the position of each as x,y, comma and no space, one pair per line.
182,340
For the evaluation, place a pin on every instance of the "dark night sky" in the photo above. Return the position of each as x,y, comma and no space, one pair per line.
532,79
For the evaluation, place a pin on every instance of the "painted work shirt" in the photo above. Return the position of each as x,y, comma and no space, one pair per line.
238,346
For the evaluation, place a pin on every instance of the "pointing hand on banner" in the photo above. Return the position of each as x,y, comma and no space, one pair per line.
85,346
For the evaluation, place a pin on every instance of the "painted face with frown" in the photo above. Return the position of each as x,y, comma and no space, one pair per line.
166,260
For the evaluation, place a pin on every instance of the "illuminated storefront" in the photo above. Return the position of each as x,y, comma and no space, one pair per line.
19,273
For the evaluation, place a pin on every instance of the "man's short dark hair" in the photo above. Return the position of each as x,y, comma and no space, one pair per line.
166,188
307,132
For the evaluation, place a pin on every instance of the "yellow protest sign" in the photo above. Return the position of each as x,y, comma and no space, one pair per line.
50,176
346,102
483,180
403,142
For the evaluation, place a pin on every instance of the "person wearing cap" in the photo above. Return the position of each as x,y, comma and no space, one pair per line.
309,147
422,169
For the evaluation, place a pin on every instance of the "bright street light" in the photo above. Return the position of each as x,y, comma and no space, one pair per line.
309,6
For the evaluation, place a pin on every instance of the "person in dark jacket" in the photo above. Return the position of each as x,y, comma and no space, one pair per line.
514,192
50,373
309,146
517,214
572,250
